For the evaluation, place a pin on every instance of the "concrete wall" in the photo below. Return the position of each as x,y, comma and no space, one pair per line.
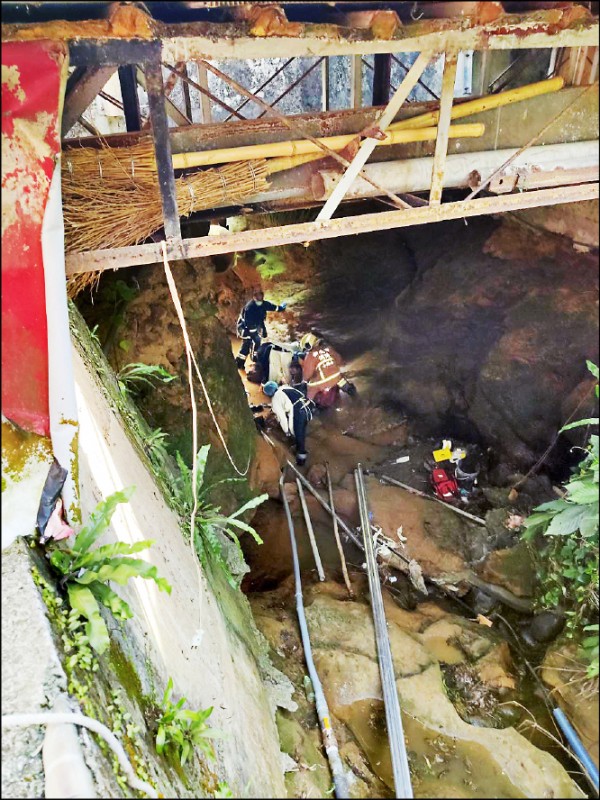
208,646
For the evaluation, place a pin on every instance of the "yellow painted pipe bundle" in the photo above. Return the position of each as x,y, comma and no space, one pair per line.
482,104
299,147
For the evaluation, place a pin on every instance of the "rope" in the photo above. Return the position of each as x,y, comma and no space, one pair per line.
190,354
53,718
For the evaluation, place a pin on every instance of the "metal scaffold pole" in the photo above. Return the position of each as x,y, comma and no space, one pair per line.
386,666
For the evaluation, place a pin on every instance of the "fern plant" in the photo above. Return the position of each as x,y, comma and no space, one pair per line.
86,572
180,730
133,376
210,520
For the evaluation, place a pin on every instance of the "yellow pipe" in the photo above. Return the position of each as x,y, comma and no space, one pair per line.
482,104
300,147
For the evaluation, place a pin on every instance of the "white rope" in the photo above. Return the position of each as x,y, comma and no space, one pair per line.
190,355
53,718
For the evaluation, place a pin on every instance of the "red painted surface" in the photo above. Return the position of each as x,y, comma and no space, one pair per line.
31,92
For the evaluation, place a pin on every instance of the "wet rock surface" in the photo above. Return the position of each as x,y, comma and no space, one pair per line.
439,660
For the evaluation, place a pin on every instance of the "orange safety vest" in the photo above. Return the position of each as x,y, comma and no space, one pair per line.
321,370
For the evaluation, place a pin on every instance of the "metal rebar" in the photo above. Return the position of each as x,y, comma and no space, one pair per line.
393,715
311,533
337,534
329,740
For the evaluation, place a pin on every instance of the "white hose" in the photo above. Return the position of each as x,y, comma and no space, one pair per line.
52,718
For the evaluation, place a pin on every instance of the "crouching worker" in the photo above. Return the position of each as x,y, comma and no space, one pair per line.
322,371
293,411
251,324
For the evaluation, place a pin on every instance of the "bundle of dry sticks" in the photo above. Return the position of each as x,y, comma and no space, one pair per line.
111,196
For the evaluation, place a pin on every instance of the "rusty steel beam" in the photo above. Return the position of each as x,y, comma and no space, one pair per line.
441,142
517,32
82,87
172,111
330,229
162,150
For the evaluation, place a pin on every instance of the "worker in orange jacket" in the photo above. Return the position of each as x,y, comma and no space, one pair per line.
321,370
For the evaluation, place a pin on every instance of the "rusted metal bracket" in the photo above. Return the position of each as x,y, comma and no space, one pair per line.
82,87
112,52
162,150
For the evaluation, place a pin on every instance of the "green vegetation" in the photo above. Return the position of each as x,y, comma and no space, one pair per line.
180,730
133,376
85,679
210,520
86,572
568,558
270,262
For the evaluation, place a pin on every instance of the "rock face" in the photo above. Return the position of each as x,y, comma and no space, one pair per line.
141,325
485,342
445,751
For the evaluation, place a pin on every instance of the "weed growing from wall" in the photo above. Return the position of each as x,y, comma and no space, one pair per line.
180,730
86,572
211,523
568,559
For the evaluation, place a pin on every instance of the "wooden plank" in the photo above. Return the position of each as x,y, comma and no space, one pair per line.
162,149
441,143
131,101
85,85
329,229
368,145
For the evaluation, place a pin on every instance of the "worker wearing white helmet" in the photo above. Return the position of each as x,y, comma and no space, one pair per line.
293,411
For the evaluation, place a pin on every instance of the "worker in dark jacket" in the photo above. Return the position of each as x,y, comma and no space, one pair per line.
251,324
293,411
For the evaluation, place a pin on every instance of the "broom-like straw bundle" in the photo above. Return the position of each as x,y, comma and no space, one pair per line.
111,197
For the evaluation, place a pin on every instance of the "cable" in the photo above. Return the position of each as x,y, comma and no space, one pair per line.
177,303
329,739
53,718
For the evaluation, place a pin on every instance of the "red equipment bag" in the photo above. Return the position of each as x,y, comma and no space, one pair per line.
445,488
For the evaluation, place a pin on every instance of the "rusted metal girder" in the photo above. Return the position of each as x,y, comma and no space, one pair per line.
82,87
329,229
162,150
514,32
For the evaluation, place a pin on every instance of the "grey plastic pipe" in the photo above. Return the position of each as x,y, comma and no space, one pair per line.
340,782
393,716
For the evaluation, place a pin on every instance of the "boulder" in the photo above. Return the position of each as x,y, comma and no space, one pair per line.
512,569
